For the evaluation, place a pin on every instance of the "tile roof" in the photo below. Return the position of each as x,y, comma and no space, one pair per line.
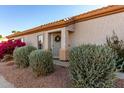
74,19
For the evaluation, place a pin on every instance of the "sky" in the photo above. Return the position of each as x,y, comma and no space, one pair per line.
23,17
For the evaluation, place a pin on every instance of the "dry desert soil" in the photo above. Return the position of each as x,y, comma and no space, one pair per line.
23,78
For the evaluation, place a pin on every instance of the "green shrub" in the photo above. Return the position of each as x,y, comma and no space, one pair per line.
21,56
92,66
118,47
41,62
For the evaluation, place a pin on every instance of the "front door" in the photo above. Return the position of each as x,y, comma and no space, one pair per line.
56,44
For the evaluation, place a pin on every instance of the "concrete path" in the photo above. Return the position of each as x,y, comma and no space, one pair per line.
4,83
60,63
120,75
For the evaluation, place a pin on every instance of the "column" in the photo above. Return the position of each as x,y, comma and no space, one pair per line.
63,55
46,41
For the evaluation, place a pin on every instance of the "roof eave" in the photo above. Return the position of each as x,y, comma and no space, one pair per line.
82,17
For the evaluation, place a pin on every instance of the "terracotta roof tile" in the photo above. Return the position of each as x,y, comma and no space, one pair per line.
67,21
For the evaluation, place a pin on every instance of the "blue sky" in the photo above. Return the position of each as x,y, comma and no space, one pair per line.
22,17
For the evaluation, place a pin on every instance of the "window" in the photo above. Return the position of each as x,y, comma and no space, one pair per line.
40,41
22,39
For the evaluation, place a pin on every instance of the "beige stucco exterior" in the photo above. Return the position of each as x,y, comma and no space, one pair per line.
93,31
30,39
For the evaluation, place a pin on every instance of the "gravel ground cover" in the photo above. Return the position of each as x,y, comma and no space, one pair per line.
24,78
119,83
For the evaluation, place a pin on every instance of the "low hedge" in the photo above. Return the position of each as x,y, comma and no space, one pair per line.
21,56
41,62
92,66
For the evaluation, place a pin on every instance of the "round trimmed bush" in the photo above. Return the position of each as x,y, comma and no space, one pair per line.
92,66
21,55
41,62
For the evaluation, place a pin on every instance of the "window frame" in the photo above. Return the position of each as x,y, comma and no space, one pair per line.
41,42
23,39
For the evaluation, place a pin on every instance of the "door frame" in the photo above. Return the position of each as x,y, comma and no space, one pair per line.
52,42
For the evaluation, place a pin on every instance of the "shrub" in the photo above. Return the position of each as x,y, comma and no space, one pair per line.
21,56
7,58
92,66
41,62
9,46
118,47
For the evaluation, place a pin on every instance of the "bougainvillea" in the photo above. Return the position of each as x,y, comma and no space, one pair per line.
9,46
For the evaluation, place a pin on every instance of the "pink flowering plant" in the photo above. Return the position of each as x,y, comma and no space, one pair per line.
9,46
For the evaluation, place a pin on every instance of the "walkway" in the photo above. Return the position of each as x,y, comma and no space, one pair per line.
120,75
4,83
61,63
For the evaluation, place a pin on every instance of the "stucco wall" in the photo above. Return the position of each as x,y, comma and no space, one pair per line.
31,39
94,31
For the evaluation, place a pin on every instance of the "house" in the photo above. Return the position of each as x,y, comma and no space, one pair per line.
3,39
91,27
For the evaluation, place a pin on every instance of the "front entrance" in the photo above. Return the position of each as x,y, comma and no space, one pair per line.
55,44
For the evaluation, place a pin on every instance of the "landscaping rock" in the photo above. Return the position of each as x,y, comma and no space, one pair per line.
23,78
